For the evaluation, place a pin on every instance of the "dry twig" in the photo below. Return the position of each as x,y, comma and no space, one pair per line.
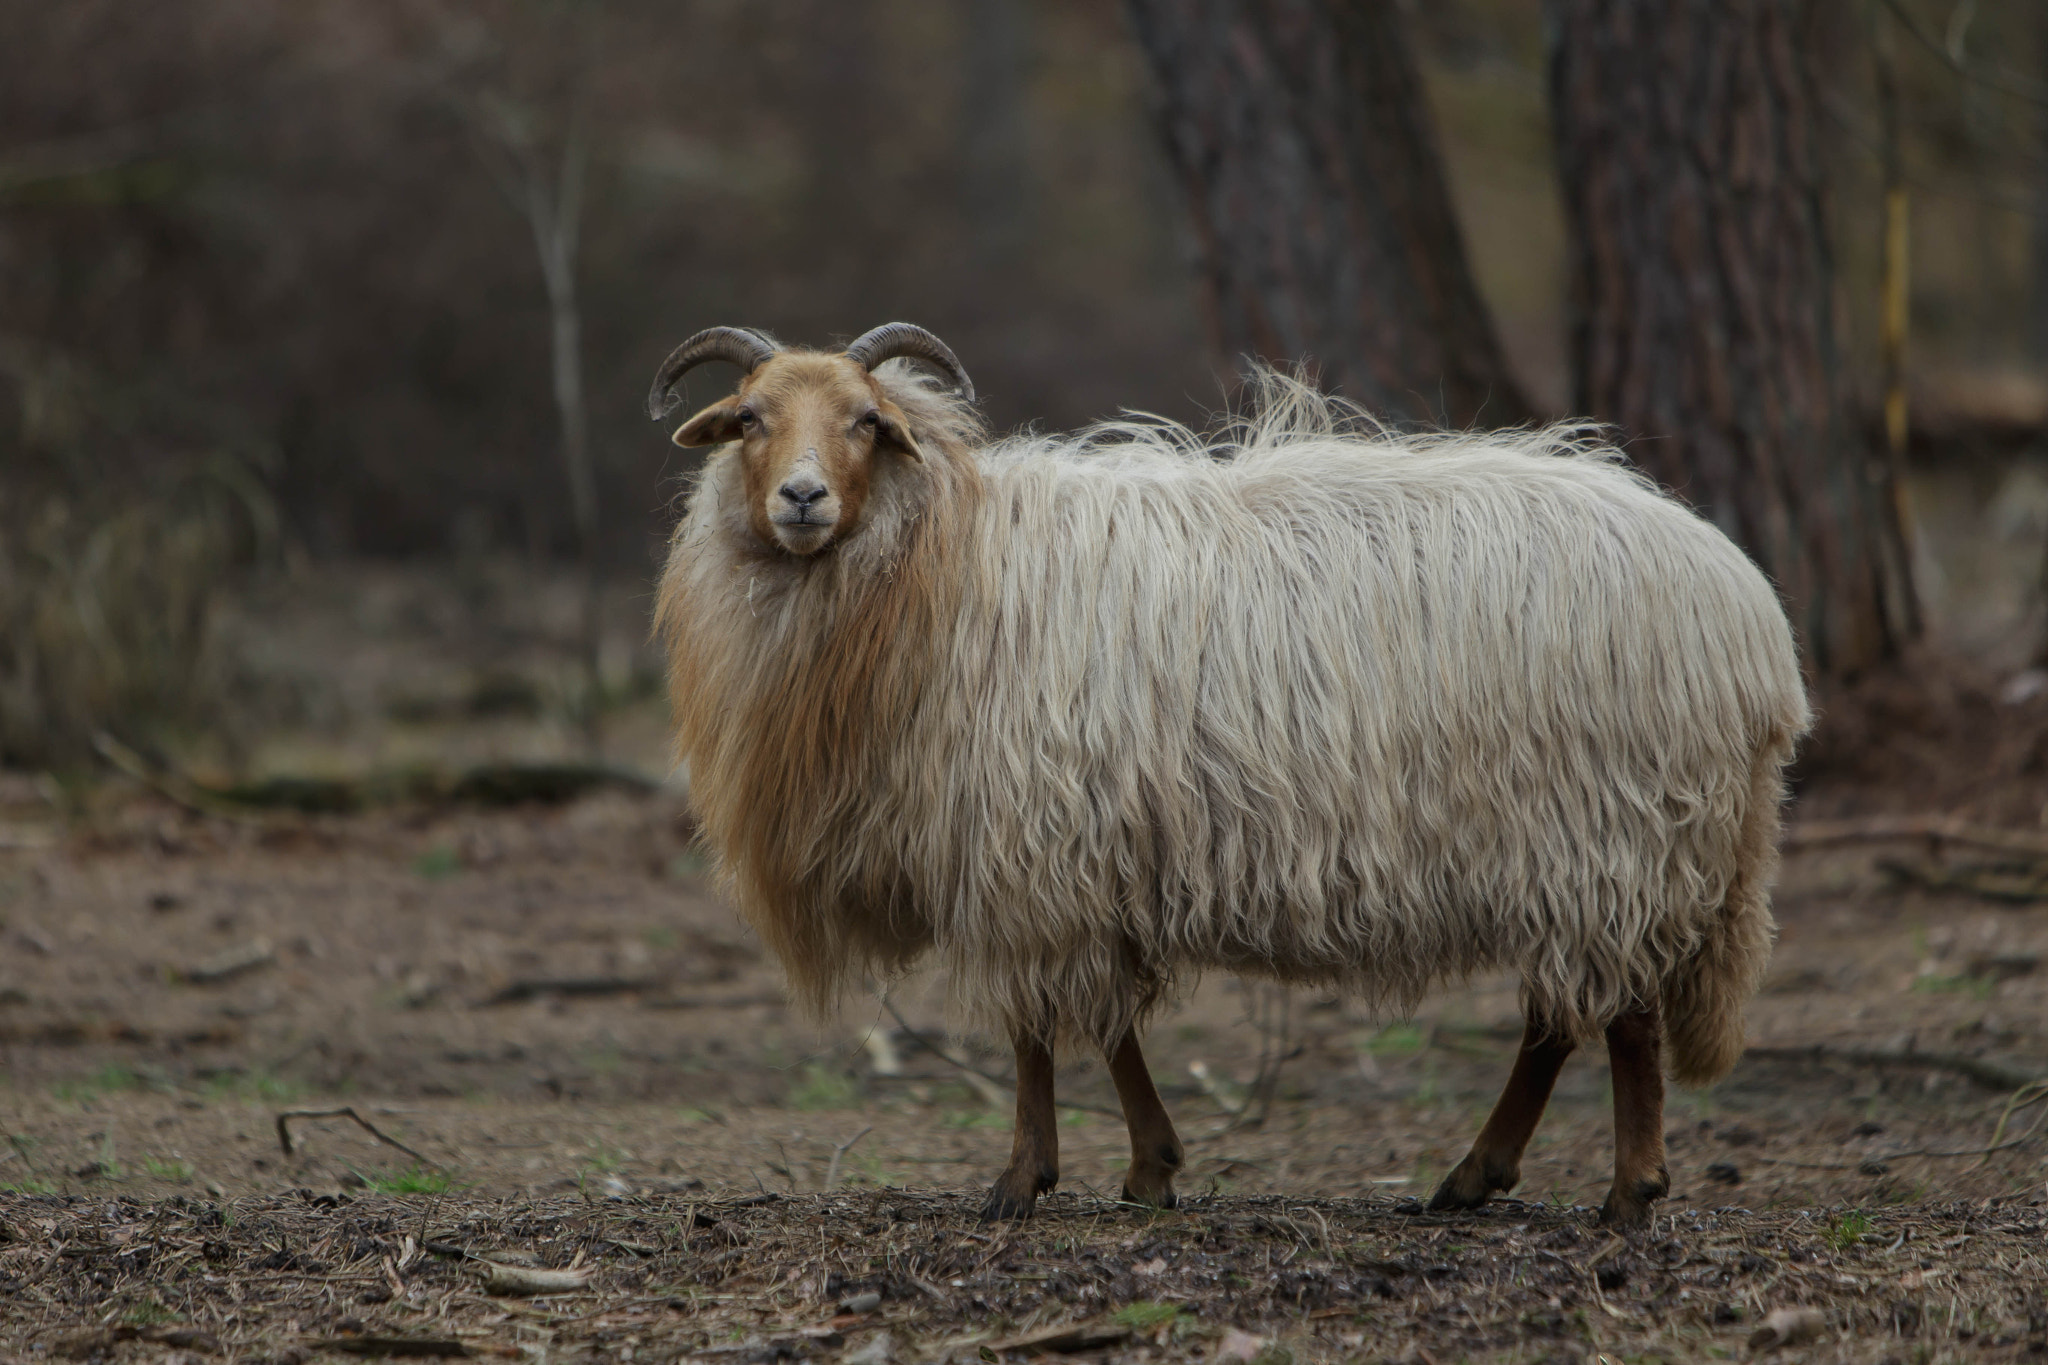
284,1132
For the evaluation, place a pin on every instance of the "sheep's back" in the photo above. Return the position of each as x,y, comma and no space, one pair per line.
1345,709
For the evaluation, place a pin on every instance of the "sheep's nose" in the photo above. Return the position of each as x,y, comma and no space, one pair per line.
803,490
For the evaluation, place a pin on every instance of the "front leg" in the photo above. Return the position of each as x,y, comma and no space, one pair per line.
1155,1147
1035,1145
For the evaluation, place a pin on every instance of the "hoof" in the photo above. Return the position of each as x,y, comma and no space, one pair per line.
1628,1206
1016,1195
1164,1200
1003,1207
1470,1184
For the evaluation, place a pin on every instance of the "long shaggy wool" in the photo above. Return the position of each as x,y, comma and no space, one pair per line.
1081,716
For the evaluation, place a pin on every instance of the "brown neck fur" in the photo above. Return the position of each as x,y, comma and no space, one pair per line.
788,702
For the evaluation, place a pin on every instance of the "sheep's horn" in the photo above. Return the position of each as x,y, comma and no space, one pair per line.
734,345
894,339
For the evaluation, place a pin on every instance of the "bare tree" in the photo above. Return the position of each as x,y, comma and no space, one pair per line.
1302,138
1702,297
546,187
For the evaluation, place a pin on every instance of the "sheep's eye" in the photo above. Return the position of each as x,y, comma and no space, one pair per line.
747,418
871,421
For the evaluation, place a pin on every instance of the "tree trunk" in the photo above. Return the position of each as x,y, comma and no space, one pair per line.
1702,298
2038,332
1301,135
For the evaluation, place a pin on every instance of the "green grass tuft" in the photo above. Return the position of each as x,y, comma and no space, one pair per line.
178,1172
414,1181
1147,1316
438,863
1848,1230
824,1087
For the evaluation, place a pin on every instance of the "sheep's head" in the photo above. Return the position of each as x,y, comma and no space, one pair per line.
810,424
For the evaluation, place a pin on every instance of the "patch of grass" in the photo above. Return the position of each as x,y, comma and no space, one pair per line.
974,1118
111,1079
414,1181
148,1313
1074,1118
1848,1230
33,1184
176,1171
600,1160
1147,1316
1976,987
823,1086
1397,1040
438,863
253,1085
660,937
687,866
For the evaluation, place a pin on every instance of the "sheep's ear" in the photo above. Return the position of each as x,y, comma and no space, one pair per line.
715,425
893,430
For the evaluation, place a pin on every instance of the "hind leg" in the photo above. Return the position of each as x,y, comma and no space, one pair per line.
1035,1143
1495,1161
1635,1046
1155,1147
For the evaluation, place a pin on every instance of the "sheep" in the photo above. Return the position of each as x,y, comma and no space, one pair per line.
1081,716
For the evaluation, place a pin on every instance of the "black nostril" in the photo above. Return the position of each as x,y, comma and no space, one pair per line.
803,496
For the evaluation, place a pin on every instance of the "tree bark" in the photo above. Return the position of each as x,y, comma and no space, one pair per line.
1300,132
1702,298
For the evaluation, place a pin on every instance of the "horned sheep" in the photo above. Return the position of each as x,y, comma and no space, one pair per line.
1081,716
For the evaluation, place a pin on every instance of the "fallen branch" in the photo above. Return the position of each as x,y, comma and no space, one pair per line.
490,785
1939,829
170,786
284,1132
528,1281
711,1002
391,1346
2015,883
1008,1090
570,985
1987,1074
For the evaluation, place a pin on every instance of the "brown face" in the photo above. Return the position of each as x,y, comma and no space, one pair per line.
810,428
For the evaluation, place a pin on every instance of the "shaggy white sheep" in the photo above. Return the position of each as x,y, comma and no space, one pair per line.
1080,716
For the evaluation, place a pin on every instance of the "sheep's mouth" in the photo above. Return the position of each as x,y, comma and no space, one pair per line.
802,536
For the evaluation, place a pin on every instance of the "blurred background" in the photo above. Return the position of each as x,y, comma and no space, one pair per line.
324,326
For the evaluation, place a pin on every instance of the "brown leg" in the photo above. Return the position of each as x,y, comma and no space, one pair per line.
1035,1145
1635,1046
1155,1148
1495,1161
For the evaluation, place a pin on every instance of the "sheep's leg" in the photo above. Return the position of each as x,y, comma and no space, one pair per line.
1035,1145
1635,1047
1495,1161
1155,1147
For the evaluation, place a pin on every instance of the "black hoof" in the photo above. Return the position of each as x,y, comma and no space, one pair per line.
1169,1201
1007,1208
1468,1186
1631,1208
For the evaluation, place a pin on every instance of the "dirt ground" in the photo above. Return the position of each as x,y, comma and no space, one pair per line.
587,1060
560,1049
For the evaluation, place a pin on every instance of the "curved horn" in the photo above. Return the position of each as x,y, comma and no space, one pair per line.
894,339
734,345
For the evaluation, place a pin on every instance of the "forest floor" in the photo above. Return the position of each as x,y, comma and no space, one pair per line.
590,1064
574,1057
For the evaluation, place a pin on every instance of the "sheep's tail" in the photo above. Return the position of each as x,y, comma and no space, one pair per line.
1705,999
